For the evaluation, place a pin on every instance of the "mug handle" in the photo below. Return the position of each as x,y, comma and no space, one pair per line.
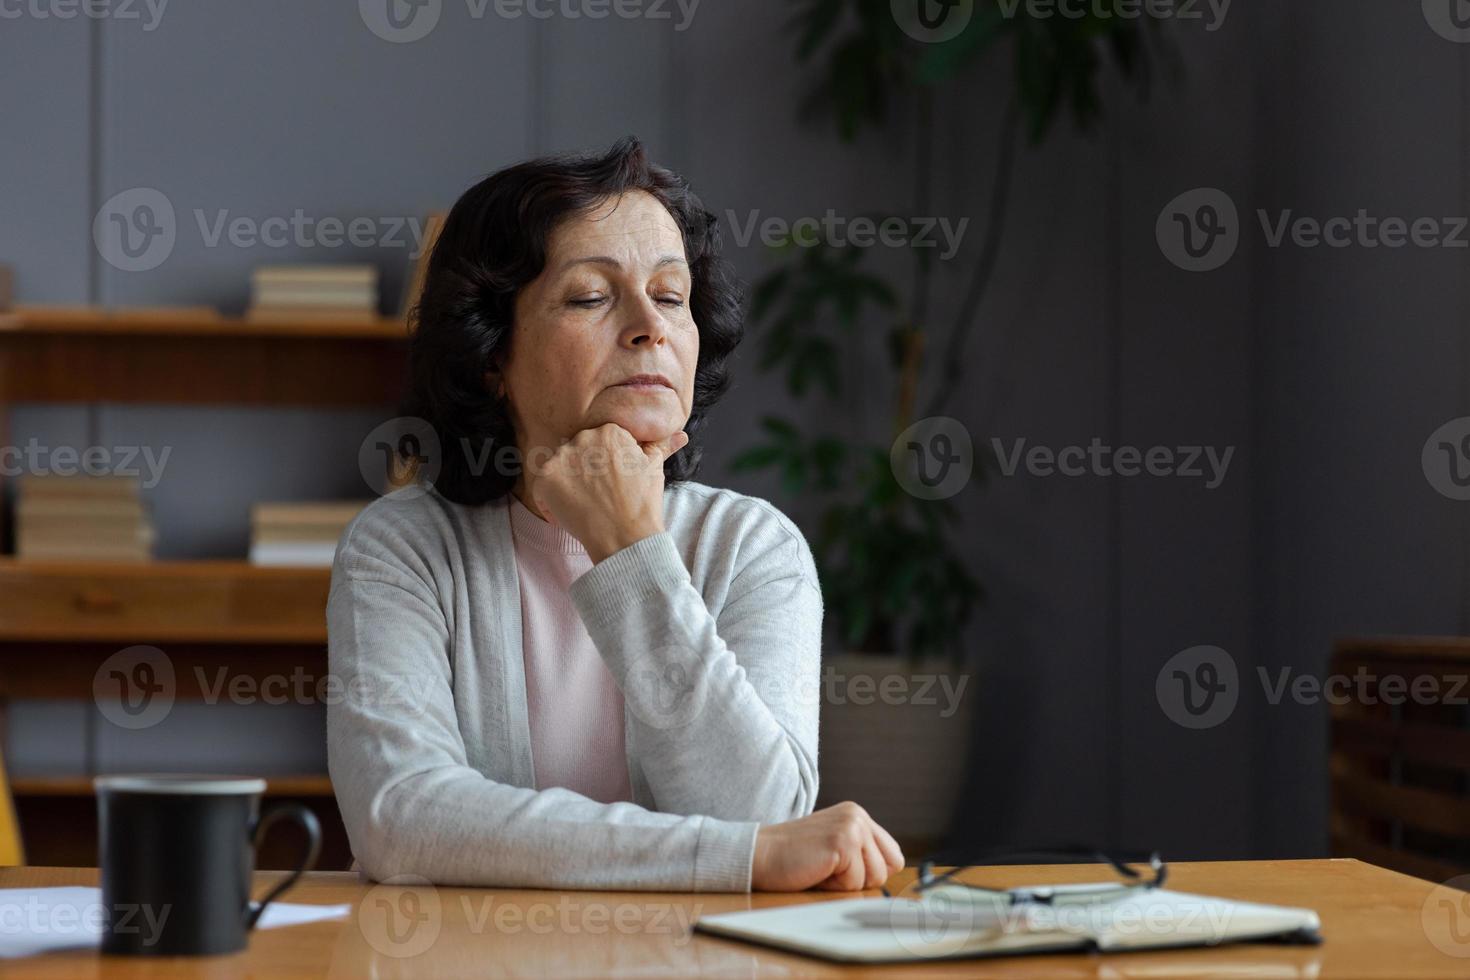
313,828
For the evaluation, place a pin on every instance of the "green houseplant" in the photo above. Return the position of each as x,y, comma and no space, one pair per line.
892,577
890,574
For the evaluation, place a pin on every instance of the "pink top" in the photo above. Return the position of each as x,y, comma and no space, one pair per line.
575,706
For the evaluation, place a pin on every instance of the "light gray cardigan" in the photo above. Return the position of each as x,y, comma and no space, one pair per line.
712,629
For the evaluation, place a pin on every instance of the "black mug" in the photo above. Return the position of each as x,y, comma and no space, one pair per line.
177,856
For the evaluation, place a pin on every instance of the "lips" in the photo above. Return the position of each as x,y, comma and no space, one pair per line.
644,380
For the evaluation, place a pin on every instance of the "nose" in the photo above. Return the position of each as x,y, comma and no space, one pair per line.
645,326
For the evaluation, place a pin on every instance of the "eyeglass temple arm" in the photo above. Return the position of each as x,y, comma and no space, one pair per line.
927,879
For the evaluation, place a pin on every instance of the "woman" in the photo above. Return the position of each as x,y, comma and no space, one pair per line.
565,664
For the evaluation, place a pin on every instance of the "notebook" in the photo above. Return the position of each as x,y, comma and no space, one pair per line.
952,922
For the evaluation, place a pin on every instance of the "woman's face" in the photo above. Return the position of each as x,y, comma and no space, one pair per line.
611,304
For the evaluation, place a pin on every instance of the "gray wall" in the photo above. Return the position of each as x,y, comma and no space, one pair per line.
1365,355
1325,370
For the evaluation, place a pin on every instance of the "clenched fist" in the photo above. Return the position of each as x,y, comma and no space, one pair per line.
605,487
840,848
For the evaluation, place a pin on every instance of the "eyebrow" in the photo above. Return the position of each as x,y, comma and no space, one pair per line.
609,260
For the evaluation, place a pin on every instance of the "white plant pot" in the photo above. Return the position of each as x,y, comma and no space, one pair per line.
894,739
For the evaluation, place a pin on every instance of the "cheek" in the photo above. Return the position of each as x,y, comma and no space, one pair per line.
548,372
689,360
567,369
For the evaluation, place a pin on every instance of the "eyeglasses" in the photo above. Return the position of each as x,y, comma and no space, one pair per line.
952,910
1131,880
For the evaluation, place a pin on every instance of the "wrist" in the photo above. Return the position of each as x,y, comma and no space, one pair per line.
621,538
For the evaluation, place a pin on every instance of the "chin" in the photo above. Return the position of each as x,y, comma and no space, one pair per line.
647,426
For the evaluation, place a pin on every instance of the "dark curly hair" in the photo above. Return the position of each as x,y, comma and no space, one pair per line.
493,243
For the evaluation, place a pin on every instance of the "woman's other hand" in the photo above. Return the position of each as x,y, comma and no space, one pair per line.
839,848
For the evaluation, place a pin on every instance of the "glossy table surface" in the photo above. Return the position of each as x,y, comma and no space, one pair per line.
1375,923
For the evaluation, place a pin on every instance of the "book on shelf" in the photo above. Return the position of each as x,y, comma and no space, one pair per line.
337,512
310,314
82,517
313,291
117,536
316,274
299,554
139,556
268,296
299,534
135,546
35,485
78,522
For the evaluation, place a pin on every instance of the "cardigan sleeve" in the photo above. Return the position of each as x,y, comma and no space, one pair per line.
413,805
723,708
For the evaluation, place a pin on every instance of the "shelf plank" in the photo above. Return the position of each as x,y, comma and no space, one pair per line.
308,785
198,357
161,602
192,321
1414,647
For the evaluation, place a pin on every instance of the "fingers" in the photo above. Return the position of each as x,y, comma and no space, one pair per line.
876,864
864,867
867,854
850,877
838,848
656,451
659,451
892,853
612,444
850,839
607,430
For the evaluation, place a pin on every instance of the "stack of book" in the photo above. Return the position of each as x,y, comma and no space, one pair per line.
293,292
82,518
299,533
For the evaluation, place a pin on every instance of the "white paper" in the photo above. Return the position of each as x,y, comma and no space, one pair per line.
41,920
955,921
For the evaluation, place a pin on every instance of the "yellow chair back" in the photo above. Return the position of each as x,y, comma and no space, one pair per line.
11,853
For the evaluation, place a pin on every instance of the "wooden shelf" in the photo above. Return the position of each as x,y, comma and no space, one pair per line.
1405,647
192,355
201,321
61,621
34,786
58,821
228,602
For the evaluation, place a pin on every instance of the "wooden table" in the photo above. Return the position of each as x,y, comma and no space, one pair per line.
1374,923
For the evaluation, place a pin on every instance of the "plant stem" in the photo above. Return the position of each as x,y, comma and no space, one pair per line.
908,378
912,352
985,266
923,185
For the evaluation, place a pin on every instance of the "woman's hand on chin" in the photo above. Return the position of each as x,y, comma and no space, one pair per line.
606,488
839,848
